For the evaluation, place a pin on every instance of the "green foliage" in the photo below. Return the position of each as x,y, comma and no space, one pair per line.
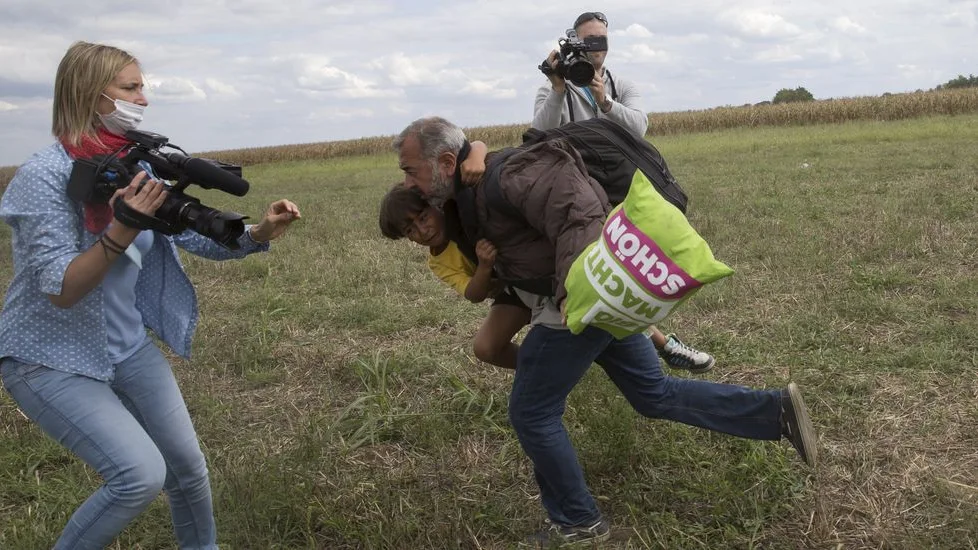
339,405
961,81
785,95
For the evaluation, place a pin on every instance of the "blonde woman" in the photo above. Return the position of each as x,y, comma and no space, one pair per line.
74,350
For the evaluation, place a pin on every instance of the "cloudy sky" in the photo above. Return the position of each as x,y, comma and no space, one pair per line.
241,73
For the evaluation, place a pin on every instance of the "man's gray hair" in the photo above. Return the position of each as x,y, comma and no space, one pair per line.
435,134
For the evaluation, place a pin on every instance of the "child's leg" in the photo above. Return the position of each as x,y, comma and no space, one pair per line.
494,341
678,355
658,339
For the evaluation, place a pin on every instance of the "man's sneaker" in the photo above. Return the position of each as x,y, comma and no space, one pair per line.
796,426
678,355
562,536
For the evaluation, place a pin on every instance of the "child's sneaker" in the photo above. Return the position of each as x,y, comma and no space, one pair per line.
678,355
562,536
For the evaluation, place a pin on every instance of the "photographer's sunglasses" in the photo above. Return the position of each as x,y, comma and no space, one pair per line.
589,15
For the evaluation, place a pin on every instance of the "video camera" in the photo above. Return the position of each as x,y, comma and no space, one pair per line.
98,178
572,61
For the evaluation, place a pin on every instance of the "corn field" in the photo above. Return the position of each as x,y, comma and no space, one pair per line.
827,111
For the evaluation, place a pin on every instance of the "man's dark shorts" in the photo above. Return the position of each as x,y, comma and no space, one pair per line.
508,297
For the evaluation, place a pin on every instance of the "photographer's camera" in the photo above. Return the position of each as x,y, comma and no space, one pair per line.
572,61
98,178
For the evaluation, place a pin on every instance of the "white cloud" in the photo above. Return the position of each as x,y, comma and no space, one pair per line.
220,88
846,25
34,64
339,113
909,71
418,70
175,89
383,63
405,71
316,76
634,31
490,89
693,38
961,18
764,25
778,54
436,72
643,53
4,106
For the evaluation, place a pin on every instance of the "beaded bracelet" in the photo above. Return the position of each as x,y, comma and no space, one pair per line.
108,239
106,248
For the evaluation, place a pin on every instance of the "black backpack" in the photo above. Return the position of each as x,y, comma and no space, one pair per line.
611,153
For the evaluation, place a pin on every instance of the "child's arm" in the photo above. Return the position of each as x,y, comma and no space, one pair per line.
474,165
481,284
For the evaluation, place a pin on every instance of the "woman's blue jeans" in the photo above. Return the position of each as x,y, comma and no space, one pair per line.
135,432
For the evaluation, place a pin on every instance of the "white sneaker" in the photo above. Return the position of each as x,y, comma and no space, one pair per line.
678,355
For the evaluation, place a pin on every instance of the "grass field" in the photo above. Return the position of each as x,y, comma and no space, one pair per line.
339,404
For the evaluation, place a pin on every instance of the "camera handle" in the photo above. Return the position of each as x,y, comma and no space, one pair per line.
131,217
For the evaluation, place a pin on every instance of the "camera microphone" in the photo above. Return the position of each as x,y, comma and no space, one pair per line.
208,175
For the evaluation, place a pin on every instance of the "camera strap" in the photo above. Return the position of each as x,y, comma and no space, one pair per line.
131,217
570,101
614,92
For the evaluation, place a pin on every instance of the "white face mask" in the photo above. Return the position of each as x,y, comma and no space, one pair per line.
125,117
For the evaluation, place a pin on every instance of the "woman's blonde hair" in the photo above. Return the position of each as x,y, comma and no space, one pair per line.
84,73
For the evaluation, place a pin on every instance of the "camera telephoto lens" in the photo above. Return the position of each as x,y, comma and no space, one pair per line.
579,71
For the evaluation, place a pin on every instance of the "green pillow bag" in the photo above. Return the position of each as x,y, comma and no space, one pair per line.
647,261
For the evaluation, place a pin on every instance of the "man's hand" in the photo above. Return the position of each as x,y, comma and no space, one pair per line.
556,80
597,90
474,165
486,252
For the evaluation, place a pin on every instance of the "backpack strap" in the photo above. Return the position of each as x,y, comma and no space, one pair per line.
532,135
570,103
614,91
455,230
464,227
654,166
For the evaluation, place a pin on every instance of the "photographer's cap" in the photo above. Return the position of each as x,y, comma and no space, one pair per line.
589,16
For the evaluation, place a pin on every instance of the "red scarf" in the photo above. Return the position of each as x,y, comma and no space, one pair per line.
97,215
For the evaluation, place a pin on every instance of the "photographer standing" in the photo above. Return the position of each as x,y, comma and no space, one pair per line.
616,99
74,352
606,96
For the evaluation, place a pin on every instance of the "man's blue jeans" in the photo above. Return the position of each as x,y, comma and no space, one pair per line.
135,432
551,362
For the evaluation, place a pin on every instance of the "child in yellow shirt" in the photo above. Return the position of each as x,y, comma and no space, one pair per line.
405,213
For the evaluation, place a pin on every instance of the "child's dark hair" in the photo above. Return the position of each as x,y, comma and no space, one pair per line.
400,205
